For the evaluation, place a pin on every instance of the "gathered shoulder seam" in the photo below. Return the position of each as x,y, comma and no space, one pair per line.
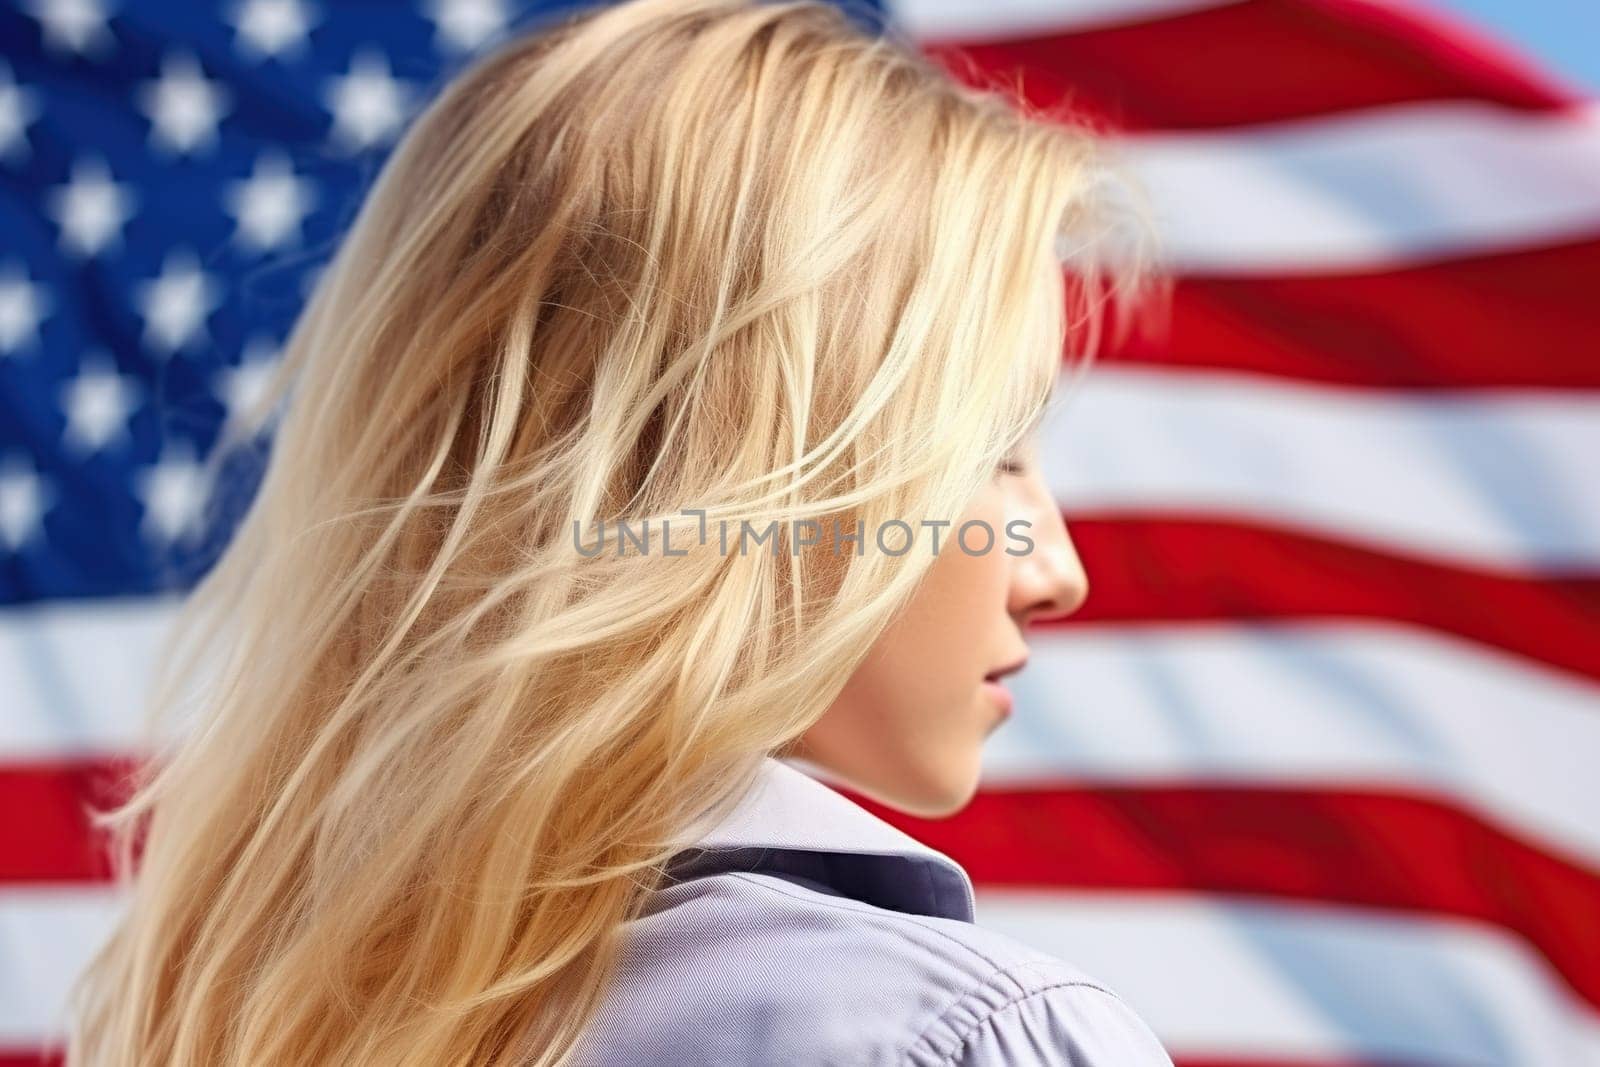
1000,978
989,1018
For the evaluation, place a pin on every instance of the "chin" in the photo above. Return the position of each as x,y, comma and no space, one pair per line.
936,795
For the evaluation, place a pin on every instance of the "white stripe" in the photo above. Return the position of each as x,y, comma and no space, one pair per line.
1235,978
74,675
1213,976
1385,185
47,935
970,23
1310,704
1299,703
1506,479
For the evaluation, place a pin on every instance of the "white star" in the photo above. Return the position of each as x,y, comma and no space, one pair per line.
173,491
269,28
242,387
91,208
175,305
183,107
369,106
463,25
18,109
97,404
270,205
72,25
23,306
24,499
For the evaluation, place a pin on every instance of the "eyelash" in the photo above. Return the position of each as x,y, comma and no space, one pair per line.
1010,466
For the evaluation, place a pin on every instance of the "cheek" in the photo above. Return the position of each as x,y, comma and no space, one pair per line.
911,721
972,575
935,654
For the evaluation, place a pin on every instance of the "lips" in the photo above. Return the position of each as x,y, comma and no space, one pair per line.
1010,668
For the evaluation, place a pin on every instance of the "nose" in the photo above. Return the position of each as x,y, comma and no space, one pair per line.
1048,581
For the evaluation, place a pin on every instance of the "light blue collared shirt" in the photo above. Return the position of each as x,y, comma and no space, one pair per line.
804,930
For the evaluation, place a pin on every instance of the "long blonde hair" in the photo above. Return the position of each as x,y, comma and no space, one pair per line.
667,255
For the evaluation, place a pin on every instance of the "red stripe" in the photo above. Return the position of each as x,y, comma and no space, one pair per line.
1180,1060
22,1058
30,1058
1353,847
1255,61
1367,847
1146,568
1522,318
55,841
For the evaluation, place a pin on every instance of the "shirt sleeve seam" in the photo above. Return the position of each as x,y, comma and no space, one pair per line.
990,1018
998,976
998,972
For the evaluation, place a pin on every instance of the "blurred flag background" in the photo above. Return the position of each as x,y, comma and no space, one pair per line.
1314,777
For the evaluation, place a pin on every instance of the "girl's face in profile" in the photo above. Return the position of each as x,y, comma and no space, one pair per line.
908,727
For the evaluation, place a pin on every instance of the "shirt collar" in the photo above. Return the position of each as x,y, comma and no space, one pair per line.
789,822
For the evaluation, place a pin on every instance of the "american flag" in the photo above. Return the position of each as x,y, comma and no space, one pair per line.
1313,779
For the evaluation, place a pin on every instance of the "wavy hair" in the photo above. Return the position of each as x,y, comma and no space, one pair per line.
750,259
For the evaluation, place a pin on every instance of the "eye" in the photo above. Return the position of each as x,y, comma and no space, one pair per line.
1012,466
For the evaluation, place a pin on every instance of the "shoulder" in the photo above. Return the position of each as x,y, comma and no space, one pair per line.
746,967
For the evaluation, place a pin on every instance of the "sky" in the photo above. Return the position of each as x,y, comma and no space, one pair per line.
1564,35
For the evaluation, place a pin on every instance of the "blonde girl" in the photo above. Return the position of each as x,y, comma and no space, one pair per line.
473,777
